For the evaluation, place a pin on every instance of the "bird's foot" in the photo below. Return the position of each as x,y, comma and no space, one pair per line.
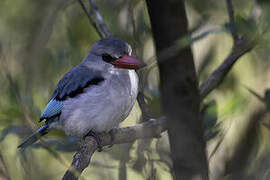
96,137
111,133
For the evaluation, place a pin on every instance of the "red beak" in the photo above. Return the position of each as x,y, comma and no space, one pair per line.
128,62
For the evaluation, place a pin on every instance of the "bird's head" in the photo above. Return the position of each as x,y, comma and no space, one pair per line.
116,52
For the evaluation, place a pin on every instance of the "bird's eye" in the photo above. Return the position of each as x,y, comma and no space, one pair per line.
108,58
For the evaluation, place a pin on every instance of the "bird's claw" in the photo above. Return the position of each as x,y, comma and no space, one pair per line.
96,137
111,133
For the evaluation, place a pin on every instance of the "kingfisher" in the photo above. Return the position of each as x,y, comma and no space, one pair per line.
94,96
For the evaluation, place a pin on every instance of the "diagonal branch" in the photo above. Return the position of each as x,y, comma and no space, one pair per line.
151,128
91,20
217,76
102,26
95,18
241,46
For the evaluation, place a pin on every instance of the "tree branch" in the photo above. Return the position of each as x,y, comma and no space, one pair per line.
96,22
231,19
143,107
91,20
217,76
241,46
149,129
152,127
94,11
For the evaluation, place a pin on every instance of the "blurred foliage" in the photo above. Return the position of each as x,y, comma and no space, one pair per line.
41,40
209,119
264,99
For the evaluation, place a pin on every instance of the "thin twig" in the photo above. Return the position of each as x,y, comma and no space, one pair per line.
143,106
102,26
254,11
91,20
231,19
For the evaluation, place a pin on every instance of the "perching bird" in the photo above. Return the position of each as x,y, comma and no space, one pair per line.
94,96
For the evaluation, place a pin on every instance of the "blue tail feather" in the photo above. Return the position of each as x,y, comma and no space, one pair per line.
35,136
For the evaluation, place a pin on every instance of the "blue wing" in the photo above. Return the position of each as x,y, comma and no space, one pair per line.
52,109
75,81
72,84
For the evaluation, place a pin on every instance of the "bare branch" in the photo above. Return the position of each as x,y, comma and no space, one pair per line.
217,76
231,19
255,11
143,107
94,11
149,129
91,20
240,47
96,21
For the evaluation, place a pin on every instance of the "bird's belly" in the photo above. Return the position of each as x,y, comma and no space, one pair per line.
99,110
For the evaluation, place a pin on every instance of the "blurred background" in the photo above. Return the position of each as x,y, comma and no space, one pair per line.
42,40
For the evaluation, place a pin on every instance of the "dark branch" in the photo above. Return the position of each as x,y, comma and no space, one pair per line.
240,47
217,76
143,107
231,19
102,26
91,20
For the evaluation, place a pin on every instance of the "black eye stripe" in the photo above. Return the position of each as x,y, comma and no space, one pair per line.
108,58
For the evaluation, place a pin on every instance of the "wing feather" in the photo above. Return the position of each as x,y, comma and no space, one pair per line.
72,84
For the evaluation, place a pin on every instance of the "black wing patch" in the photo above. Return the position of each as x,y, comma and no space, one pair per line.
75,81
